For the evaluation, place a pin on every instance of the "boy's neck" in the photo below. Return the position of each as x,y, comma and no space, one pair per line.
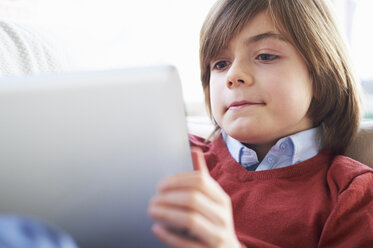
261,149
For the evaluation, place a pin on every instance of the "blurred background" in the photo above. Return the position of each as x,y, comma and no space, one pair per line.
105,34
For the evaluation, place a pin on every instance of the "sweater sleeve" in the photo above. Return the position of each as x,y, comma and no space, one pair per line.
350,223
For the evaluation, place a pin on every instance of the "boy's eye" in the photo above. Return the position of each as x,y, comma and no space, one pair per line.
220,65
266,57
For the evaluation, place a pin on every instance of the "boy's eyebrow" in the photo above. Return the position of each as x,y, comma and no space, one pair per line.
262,36
265,35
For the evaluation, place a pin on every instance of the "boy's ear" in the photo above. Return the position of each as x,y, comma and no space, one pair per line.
312,79
315,90
316,95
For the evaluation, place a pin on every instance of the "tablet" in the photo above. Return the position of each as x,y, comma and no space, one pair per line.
84,151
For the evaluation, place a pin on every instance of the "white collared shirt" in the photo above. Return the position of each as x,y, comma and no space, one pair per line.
287,151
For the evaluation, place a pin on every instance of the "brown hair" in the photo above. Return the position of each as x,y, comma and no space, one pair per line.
311,29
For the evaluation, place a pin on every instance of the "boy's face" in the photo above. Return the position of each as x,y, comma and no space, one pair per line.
260,88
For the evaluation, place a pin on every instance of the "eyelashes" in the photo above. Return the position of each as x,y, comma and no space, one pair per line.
220,65
267,57
262,58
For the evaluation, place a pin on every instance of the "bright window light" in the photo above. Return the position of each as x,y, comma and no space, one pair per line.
120,33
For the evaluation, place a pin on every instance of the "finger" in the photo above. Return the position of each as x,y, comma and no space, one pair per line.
193,201
174,240
182,219
194,180
199,161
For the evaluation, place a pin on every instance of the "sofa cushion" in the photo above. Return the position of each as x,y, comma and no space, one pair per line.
361,148
27,49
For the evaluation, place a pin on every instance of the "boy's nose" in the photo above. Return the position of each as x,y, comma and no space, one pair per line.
238,76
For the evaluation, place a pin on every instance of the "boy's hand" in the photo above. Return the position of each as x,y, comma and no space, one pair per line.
195,203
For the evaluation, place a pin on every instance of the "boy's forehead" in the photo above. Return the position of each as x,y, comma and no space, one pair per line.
261,26
260,21
257,28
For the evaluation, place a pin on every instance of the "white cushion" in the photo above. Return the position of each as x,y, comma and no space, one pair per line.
27,49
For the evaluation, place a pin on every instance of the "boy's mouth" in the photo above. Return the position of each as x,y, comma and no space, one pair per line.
242,104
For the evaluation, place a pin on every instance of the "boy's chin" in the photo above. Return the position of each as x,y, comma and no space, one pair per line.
249,136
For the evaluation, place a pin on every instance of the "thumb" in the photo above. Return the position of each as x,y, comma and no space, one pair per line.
199,162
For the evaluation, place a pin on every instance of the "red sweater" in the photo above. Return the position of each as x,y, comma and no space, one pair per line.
326,201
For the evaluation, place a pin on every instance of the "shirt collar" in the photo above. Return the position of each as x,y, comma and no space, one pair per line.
287,151
306,144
